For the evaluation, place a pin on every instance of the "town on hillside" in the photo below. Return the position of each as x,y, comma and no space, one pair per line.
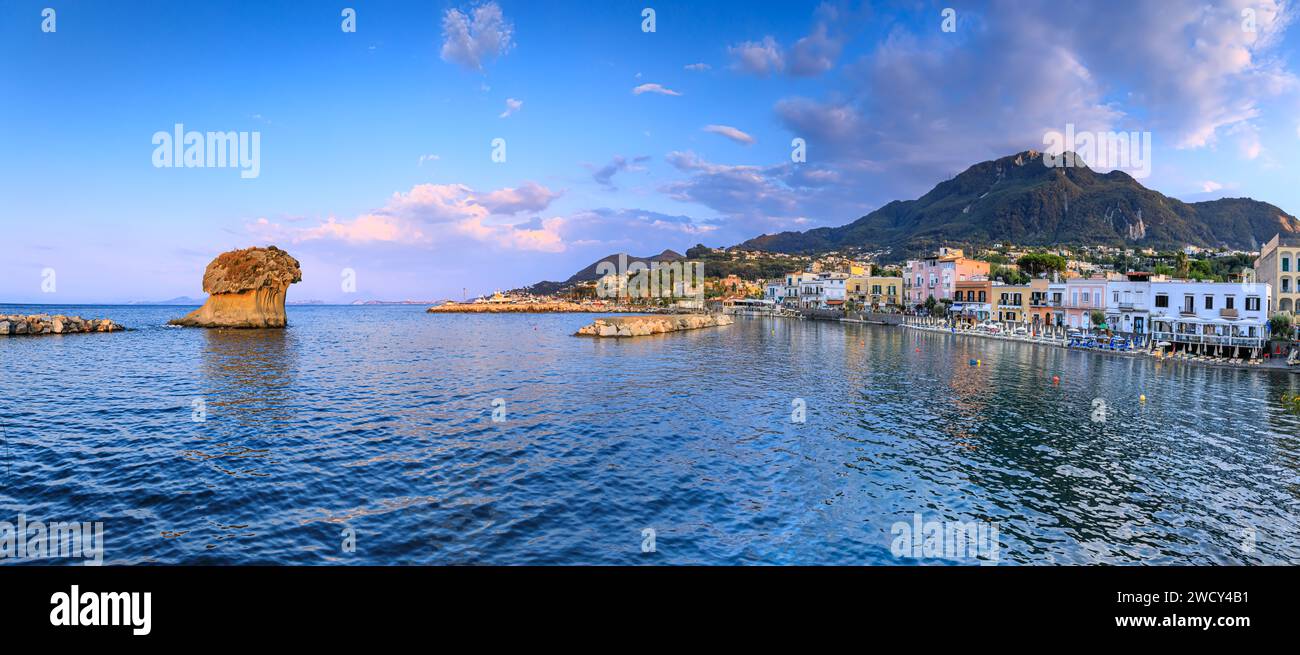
1194,296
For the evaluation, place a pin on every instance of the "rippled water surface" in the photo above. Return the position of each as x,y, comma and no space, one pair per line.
379,419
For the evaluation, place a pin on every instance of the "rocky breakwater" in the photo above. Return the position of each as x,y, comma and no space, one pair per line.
639,326
246,290
18,324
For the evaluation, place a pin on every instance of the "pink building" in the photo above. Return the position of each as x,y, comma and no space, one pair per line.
1082,297
939,274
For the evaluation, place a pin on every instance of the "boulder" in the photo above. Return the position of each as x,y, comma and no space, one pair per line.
246,290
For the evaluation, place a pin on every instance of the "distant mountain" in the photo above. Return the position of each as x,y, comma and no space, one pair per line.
589,273
390,302
179,300
1018,199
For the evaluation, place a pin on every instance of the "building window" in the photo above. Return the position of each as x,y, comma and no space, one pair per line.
1252,303
1286,285
1209,302
1286,264
1162,300
1229,302
983,298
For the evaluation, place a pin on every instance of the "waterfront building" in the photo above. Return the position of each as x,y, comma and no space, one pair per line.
1012,302
775,292
1204,315
938,274
1083,296
791,291
1040,307
972,299
875,292
823,290
1278,266
1056,303
857,287
1128,302
884,292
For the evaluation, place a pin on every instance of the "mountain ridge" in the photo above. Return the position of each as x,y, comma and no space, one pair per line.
1020,199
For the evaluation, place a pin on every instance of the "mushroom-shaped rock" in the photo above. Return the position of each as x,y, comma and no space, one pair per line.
246,289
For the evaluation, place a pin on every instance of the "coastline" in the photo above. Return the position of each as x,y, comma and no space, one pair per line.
1264,365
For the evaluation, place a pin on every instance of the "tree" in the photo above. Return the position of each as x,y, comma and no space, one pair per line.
1180,261
698,251
944,306
1098,317
1281,325
930,303
1007,275
1036,264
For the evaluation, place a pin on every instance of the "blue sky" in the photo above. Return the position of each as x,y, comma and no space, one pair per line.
375,146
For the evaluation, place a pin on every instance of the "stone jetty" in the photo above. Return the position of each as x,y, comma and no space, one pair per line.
18,324
247,289
639,326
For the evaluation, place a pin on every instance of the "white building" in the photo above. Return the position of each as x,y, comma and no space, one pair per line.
1203,315
1056,301
775,291
791,290
1128,304
823,290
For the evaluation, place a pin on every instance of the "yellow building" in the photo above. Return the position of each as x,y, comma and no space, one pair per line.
1011,302
855,269
1020,303
875,291
1279,266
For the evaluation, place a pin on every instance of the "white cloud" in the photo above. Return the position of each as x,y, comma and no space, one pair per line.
731,133
698,68
654,88
512,106
816,53
761,58
477,37
424,158
434,214
1210,186
530,197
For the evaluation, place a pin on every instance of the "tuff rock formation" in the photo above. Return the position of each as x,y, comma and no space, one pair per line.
246,289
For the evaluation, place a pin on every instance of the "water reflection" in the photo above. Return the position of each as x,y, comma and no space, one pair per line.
248,376
379,420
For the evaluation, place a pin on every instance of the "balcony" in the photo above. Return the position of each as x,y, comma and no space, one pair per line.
1228,313
1209,339
1126,307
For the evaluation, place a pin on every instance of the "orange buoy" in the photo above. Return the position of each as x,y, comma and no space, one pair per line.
1056,379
